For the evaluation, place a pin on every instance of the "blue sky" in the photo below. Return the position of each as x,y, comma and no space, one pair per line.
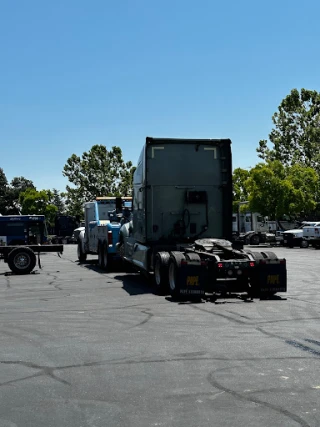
76,73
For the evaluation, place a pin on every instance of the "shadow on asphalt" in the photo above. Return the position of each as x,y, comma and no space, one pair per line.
136,284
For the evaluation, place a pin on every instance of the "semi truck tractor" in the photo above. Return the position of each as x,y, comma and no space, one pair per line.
103,219
181,228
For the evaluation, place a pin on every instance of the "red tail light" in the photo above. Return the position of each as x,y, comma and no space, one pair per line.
110,238
283,261
220,265
252,264
184,262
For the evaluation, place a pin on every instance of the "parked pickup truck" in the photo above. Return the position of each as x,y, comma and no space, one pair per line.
296,237
311,234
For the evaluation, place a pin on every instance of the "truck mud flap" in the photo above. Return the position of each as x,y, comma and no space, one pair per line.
270,277
192,279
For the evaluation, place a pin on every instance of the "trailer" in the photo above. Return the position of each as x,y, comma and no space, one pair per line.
181,228
64,226
22,239
103,219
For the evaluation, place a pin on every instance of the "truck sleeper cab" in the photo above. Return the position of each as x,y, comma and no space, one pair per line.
181,224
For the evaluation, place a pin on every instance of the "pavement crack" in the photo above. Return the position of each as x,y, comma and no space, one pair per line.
43,371
149,316
249,398
214,313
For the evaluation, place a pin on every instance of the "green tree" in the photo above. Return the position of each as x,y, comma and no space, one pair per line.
35,202
305,182
276,190
16,187
98,172
3,193
296,133
239,185
74,202
56,198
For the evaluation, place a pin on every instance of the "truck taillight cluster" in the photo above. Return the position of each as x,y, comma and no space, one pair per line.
222,265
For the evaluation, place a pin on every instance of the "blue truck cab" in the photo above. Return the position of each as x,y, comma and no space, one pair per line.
103,220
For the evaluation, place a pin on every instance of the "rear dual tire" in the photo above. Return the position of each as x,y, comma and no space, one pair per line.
103,256
82,257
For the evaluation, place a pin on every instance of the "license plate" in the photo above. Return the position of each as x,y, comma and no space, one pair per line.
193,281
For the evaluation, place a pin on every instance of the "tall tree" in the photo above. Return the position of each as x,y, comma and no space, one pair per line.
3,193
296,133
240,190
56,198
17,185
74,202
98,172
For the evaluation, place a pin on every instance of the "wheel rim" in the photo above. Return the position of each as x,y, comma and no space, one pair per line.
22,261
157,273
172,276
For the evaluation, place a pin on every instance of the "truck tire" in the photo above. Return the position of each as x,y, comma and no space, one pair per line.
304,244
100,255
192,257
82,257
269,255
161,271
22,260
257,255
174,272
254,239
107,260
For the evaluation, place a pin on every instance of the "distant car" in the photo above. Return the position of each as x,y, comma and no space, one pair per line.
77,232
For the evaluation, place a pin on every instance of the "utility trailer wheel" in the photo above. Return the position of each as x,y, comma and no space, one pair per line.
22,260
82,257
100,255
161,280
174,272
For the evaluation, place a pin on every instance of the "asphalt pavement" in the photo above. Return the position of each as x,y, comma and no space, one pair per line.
81,347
